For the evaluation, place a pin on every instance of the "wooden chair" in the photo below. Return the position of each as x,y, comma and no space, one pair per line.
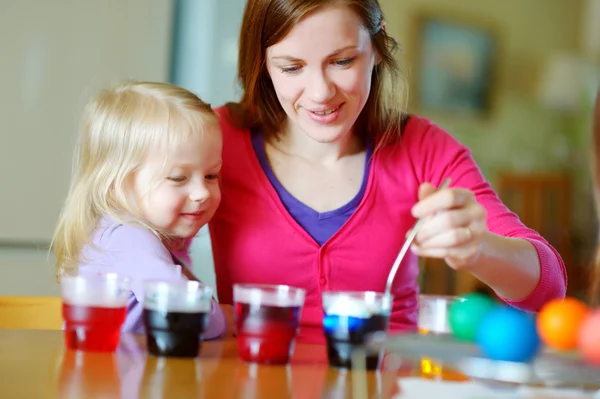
31,312
543,203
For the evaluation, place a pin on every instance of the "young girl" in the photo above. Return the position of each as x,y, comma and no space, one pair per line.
146,179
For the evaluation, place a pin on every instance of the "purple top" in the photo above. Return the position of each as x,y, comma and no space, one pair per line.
139,254
320,226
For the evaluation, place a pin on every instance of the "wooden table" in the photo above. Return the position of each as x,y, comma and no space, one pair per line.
35,364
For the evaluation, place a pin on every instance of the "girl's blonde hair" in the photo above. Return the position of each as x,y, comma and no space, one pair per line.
119,128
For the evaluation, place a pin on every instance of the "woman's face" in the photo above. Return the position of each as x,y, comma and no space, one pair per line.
321,72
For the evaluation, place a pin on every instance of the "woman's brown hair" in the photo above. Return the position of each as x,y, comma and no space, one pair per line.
266,22
595,285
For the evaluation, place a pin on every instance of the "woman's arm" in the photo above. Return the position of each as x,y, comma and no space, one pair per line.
471,229
510,266
456,230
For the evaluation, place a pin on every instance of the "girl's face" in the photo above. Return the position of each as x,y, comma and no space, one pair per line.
321,72
187,196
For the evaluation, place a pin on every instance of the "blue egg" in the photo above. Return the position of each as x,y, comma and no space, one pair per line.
508,334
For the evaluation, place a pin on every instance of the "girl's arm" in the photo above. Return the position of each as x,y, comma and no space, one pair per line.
137,253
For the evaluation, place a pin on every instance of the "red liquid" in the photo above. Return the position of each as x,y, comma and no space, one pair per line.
91,328
266,333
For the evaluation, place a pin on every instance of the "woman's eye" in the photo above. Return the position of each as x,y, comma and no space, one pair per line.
345,61
290,69
177,179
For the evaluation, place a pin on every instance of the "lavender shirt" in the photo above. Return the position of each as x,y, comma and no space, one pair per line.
320,226
137,253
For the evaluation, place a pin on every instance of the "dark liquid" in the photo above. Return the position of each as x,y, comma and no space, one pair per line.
92,328
266,333
174,334
345,333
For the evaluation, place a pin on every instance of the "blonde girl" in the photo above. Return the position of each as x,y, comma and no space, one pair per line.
145,180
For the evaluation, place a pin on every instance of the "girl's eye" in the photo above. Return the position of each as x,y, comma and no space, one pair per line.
177,179
211,177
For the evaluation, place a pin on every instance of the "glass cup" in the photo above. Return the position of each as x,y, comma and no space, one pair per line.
176,315
351,320
434,311
94,309
267,318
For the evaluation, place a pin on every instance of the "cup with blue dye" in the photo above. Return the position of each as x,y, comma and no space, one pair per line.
352,320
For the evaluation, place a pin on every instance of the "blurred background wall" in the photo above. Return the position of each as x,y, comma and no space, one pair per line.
512,80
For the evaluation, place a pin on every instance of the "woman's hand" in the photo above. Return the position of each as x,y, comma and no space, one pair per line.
454,226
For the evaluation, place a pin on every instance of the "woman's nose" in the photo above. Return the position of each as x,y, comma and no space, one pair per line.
320,88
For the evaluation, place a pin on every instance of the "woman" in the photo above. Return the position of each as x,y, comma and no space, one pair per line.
324,173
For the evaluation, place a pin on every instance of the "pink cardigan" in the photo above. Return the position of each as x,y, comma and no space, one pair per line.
255,240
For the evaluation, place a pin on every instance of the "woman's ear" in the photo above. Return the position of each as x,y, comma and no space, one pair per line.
383,27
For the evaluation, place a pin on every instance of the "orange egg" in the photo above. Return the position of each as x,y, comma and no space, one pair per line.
589,338
559,321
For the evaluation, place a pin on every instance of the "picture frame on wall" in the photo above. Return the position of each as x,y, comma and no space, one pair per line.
454,65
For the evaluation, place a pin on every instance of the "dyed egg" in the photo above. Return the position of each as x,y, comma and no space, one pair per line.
466,313
508,334
559,321
589,338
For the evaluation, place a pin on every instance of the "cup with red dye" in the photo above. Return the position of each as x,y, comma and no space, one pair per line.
267,319
94,309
